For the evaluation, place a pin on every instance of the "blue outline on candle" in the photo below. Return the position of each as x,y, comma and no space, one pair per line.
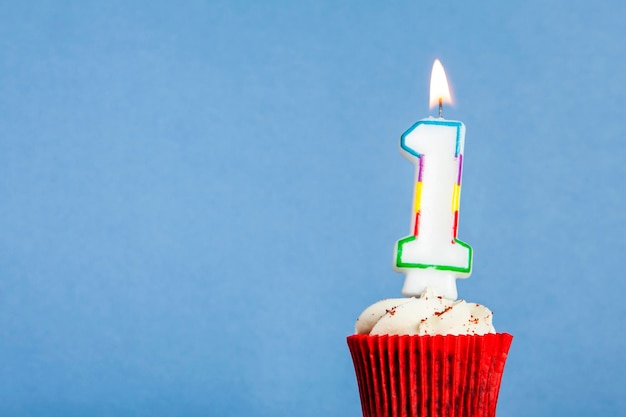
399,245
432,122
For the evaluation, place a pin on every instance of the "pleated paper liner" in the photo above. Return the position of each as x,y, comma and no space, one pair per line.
429,376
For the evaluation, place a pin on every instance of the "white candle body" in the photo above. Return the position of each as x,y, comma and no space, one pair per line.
432,256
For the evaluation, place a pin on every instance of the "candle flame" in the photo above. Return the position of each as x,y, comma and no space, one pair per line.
439,90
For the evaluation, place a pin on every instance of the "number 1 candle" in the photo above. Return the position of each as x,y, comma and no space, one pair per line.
432,255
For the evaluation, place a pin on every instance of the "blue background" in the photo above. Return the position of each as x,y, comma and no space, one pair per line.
198,199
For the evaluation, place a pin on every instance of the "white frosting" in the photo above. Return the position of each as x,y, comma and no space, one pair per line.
426,315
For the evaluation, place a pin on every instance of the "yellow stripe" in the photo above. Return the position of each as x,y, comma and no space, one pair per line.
418,197
456,197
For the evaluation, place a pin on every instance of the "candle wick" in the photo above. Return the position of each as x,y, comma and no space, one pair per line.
441,107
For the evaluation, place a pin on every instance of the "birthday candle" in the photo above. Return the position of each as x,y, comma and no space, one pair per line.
432,255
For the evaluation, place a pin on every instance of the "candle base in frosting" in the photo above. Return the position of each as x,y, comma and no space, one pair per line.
441,282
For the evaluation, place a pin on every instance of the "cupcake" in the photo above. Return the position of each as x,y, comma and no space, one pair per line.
428,356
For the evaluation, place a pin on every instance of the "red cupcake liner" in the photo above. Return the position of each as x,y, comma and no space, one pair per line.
429,376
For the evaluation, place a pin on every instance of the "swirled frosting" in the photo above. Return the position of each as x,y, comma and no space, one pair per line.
429,314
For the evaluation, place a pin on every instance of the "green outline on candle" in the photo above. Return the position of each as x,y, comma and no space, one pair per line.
400,264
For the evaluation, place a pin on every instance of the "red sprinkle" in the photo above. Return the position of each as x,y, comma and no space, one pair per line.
439,313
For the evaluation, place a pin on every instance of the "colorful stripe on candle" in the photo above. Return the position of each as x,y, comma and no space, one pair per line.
456,199
418,198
